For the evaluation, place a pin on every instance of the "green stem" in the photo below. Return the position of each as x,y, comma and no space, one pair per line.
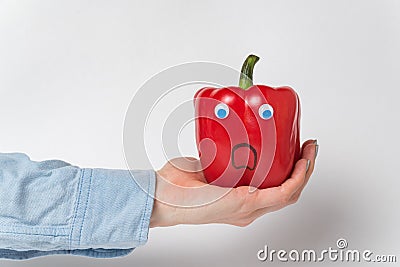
246,75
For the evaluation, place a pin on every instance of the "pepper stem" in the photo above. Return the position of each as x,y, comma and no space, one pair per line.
246,74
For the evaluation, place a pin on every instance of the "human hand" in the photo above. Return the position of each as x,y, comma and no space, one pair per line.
183,196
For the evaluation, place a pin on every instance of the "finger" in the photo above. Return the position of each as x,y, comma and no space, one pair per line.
306,143
306,154
281,194
189,165
310,153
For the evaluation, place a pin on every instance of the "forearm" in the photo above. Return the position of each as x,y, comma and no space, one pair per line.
53,207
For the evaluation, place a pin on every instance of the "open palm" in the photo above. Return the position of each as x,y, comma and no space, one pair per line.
183,196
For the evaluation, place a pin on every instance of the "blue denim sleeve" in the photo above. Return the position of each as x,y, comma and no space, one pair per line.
51,207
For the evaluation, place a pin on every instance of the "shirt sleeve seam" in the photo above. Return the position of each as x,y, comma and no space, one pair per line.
24,227
39,234
76,206
146,210
86,205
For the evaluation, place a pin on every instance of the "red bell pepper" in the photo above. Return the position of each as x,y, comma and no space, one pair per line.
247,135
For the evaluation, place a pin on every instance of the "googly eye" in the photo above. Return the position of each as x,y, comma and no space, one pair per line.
221,111
266,111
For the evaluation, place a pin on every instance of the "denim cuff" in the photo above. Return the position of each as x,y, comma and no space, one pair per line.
112,210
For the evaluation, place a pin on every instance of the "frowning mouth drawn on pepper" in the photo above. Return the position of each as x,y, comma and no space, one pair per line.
244,166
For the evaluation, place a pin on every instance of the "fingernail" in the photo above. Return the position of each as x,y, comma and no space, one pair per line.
315,142
316,150
308,165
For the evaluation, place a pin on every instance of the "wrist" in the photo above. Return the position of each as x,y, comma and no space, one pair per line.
163,214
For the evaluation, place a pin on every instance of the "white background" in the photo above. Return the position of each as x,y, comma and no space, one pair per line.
68,70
